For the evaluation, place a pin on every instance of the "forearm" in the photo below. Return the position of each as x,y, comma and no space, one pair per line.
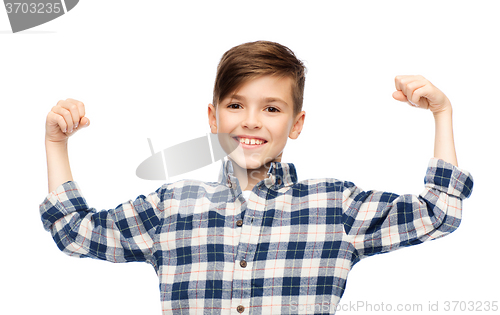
58,168
444,145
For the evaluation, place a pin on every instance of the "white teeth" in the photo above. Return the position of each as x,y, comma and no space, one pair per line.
251,141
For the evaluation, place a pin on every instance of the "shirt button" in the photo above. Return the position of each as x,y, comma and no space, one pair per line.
243,264
240,308
239,222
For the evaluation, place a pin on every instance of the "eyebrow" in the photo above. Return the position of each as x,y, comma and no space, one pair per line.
264,99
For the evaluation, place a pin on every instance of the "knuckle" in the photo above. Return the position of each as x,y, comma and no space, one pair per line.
77,102
65,113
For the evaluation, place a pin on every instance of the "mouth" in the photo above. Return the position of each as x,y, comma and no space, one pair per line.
250,141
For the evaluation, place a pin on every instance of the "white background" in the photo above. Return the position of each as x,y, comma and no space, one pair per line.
145,69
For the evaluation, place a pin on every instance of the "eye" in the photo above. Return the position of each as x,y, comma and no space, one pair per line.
272,109
234,106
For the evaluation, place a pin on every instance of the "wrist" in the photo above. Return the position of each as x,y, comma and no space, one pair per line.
443,111
56,144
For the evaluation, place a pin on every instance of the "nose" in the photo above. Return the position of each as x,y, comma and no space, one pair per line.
252,120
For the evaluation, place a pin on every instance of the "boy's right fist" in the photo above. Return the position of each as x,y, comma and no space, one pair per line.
64,120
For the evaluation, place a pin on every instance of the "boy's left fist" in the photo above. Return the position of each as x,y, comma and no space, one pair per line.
419,92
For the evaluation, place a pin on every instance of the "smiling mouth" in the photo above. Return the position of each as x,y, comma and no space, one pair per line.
250,141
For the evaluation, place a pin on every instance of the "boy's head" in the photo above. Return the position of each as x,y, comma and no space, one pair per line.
251,60
257,102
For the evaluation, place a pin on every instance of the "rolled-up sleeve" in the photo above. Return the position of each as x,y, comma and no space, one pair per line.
122,234
379,222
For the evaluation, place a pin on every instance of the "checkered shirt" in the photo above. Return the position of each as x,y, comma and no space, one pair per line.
287,250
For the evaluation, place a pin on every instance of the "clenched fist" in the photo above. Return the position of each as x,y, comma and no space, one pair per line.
64,120
419,92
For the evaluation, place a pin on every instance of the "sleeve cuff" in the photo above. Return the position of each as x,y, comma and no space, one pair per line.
448,178
65,199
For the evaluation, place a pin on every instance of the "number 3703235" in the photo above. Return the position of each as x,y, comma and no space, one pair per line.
475,306
33,8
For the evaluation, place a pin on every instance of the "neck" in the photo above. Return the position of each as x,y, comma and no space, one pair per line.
248,178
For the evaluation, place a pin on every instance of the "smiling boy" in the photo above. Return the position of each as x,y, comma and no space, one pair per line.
260,116
257,241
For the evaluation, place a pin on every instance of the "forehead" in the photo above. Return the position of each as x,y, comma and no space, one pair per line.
265,88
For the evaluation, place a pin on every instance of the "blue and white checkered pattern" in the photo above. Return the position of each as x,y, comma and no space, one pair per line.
290,253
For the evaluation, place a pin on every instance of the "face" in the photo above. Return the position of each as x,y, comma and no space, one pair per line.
259,119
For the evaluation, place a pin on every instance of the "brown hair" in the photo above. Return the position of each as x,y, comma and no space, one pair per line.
251,60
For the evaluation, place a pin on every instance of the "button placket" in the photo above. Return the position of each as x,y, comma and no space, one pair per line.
249,238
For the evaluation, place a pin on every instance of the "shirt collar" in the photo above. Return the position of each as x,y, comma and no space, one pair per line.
280,174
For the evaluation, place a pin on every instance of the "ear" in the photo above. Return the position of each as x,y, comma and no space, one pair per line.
297,125
212,118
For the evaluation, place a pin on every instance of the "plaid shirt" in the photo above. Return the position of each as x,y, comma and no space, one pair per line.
287,250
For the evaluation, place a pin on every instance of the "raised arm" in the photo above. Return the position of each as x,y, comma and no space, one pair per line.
117,235
419,92
63,121
380,221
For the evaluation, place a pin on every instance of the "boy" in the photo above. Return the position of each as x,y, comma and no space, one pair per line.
257,241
